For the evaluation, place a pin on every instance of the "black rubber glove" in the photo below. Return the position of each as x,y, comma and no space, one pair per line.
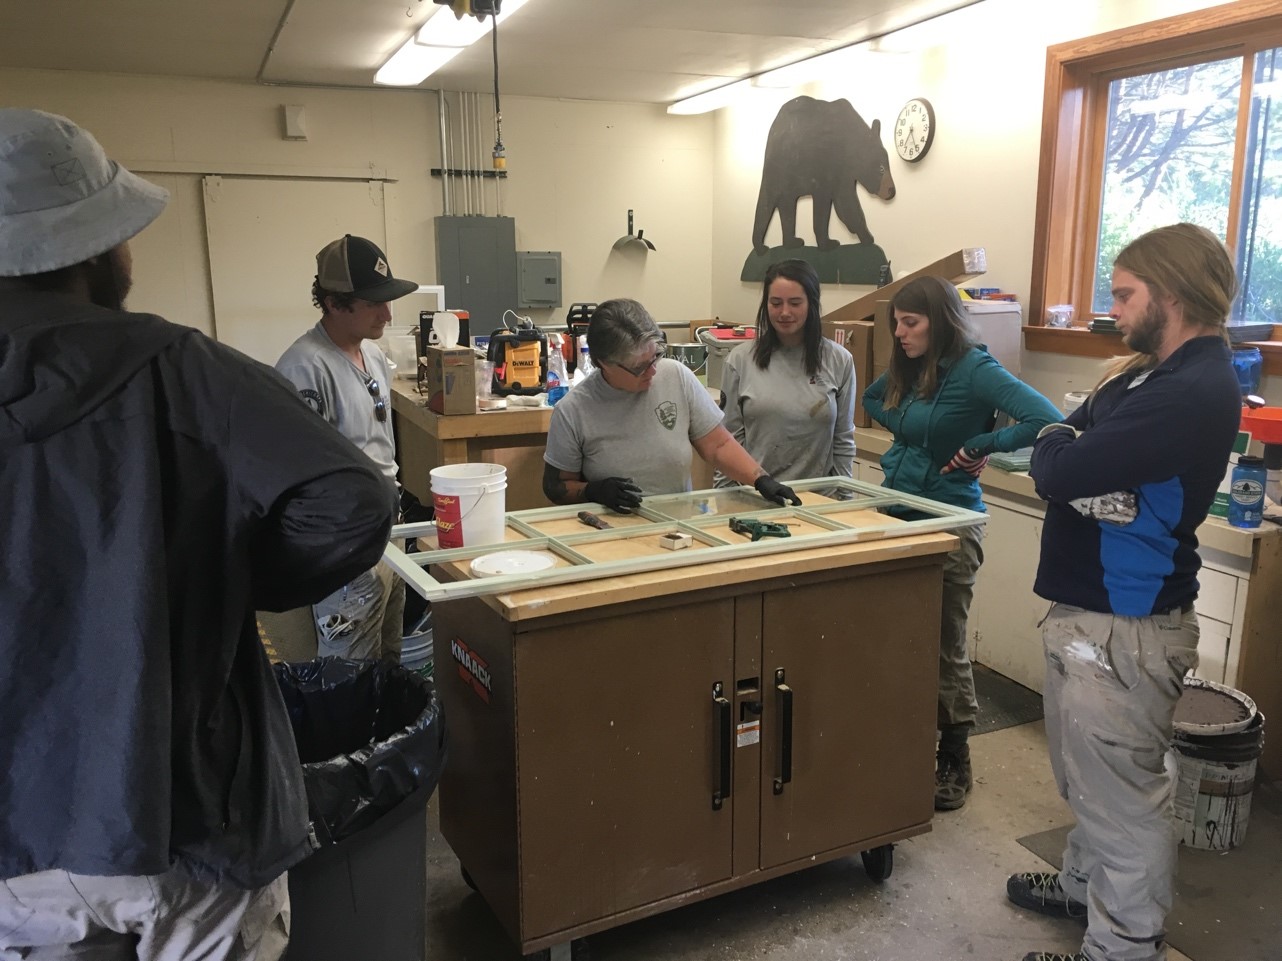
617,493
772,490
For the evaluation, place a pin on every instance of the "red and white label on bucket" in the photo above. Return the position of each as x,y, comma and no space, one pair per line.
449,521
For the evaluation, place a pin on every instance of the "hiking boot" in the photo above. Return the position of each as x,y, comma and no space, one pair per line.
1041,892
1052,956
952,778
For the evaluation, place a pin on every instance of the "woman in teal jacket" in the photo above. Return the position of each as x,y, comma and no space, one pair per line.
940,398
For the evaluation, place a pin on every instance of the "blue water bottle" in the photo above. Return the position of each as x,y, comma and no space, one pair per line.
1246,492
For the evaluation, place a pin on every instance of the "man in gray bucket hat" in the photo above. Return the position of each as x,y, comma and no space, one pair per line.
157,488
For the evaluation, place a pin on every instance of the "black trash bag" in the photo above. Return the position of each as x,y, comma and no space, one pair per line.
369,734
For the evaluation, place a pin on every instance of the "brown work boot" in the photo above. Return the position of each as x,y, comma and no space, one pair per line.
952,777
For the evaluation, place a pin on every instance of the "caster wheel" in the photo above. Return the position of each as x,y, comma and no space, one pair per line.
879,862
578,951
467,878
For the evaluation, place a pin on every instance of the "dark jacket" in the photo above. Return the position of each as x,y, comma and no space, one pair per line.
155,489
1164,435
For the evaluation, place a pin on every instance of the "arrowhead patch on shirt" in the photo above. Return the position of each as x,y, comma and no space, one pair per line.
667,414
313,400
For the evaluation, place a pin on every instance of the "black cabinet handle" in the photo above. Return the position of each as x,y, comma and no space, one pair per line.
725,744
784,693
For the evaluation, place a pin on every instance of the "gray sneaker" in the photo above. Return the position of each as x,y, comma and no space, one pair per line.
1041,892
1051,956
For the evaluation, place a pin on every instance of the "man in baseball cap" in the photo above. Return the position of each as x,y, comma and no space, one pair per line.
158,487
344,377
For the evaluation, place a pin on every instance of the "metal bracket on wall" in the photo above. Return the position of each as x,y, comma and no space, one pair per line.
468,172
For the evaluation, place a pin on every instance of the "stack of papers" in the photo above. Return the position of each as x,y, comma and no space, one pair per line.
1016,460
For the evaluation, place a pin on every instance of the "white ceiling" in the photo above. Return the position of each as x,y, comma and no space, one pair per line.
649,51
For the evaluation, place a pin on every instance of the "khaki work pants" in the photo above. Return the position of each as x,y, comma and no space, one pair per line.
1112,684
56,916
957,704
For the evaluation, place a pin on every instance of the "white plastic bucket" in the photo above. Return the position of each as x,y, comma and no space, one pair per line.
416,653
1216,755
470,502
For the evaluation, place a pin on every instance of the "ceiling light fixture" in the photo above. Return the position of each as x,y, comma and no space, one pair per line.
713,99
438,41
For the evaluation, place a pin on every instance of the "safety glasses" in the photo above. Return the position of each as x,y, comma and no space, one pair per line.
641,370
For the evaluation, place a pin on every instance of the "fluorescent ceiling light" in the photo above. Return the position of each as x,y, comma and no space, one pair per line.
414,63
438,41
712,100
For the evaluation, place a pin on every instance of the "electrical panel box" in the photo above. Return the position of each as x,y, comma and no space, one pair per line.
476,262
538,278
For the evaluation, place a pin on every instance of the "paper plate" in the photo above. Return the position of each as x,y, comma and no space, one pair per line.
512,562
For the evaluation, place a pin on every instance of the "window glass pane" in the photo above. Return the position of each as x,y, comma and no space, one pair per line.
1169,156
1259,242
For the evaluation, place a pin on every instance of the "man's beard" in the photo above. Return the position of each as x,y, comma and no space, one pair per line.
109,280
1145,337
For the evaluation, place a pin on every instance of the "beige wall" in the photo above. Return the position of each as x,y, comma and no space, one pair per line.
577,166
983,70
575,169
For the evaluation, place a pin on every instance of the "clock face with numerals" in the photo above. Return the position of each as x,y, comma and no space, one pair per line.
915,129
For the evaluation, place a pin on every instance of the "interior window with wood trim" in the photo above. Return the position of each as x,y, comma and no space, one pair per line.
1180,119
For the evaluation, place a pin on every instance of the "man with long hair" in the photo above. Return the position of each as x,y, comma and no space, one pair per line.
1128,477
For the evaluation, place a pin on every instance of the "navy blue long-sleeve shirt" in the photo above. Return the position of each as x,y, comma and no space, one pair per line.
1164,434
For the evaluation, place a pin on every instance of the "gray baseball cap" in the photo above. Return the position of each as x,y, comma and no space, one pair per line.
62,201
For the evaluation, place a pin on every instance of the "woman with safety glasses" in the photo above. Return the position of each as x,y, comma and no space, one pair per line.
627,430
790,393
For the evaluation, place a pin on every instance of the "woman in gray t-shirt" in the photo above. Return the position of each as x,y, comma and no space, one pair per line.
627,430
790,394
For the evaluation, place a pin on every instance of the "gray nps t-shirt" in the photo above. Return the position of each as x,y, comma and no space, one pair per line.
339,391
600,431
795,425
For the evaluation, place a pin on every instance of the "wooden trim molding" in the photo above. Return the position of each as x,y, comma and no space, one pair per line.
1080,342
1077,76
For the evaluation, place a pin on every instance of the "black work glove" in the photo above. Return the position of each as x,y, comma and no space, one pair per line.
772,490
617,493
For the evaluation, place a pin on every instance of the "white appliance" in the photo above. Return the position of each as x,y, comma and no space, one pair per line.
999,324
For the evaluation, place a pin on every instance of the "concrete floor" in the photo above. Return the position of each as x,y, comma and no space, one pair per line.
946,897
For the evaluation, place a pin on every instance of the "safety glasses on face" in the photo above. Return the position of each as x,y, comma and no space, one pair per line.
380,404
640,370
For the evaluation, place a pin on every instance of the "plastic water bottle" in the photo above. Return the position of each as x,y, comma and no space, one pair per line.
558,379
585,365
1246,492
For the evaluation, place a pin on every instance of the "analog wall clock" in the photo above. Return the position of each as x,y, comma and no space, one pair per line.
915,129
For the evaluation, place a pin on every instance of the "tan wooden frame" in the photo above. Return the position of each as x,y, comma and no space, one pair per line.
1074,127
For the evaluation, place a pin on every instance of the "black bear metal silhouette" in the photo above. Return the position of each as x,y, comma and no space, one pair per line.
820,149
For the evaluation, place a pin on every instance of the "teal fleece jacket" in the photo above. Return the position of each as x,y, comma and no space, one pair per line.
929,431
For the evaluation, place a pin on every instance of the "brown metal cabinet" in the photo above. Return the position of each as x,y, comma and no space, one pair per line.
622,747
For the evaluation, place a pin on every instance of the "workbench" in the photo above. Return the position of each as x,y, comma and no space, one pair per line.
626,745
515,438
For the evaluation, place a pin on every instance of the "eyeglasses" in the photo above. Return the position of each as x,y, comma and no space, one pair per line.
640,371
380,405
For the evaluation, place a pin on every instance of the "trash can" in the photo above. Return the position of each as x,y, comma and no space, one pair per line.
371,737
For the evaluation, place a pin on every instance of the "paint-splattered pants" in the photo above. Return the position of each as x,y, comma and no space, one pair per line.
1112,684
957,704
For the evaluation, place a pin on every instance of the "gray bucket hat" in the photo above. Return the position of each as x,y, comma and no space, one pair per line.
62,201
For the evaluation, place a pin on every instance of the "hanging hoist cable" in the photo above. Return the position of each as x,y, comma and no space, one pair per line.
500,157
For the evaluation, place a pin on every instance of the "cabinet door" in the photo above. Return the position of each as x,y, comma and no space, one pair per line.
861,659
617,762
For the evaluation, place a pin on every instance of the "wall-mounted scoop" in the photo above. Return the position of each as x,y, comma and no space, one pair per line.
631,241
